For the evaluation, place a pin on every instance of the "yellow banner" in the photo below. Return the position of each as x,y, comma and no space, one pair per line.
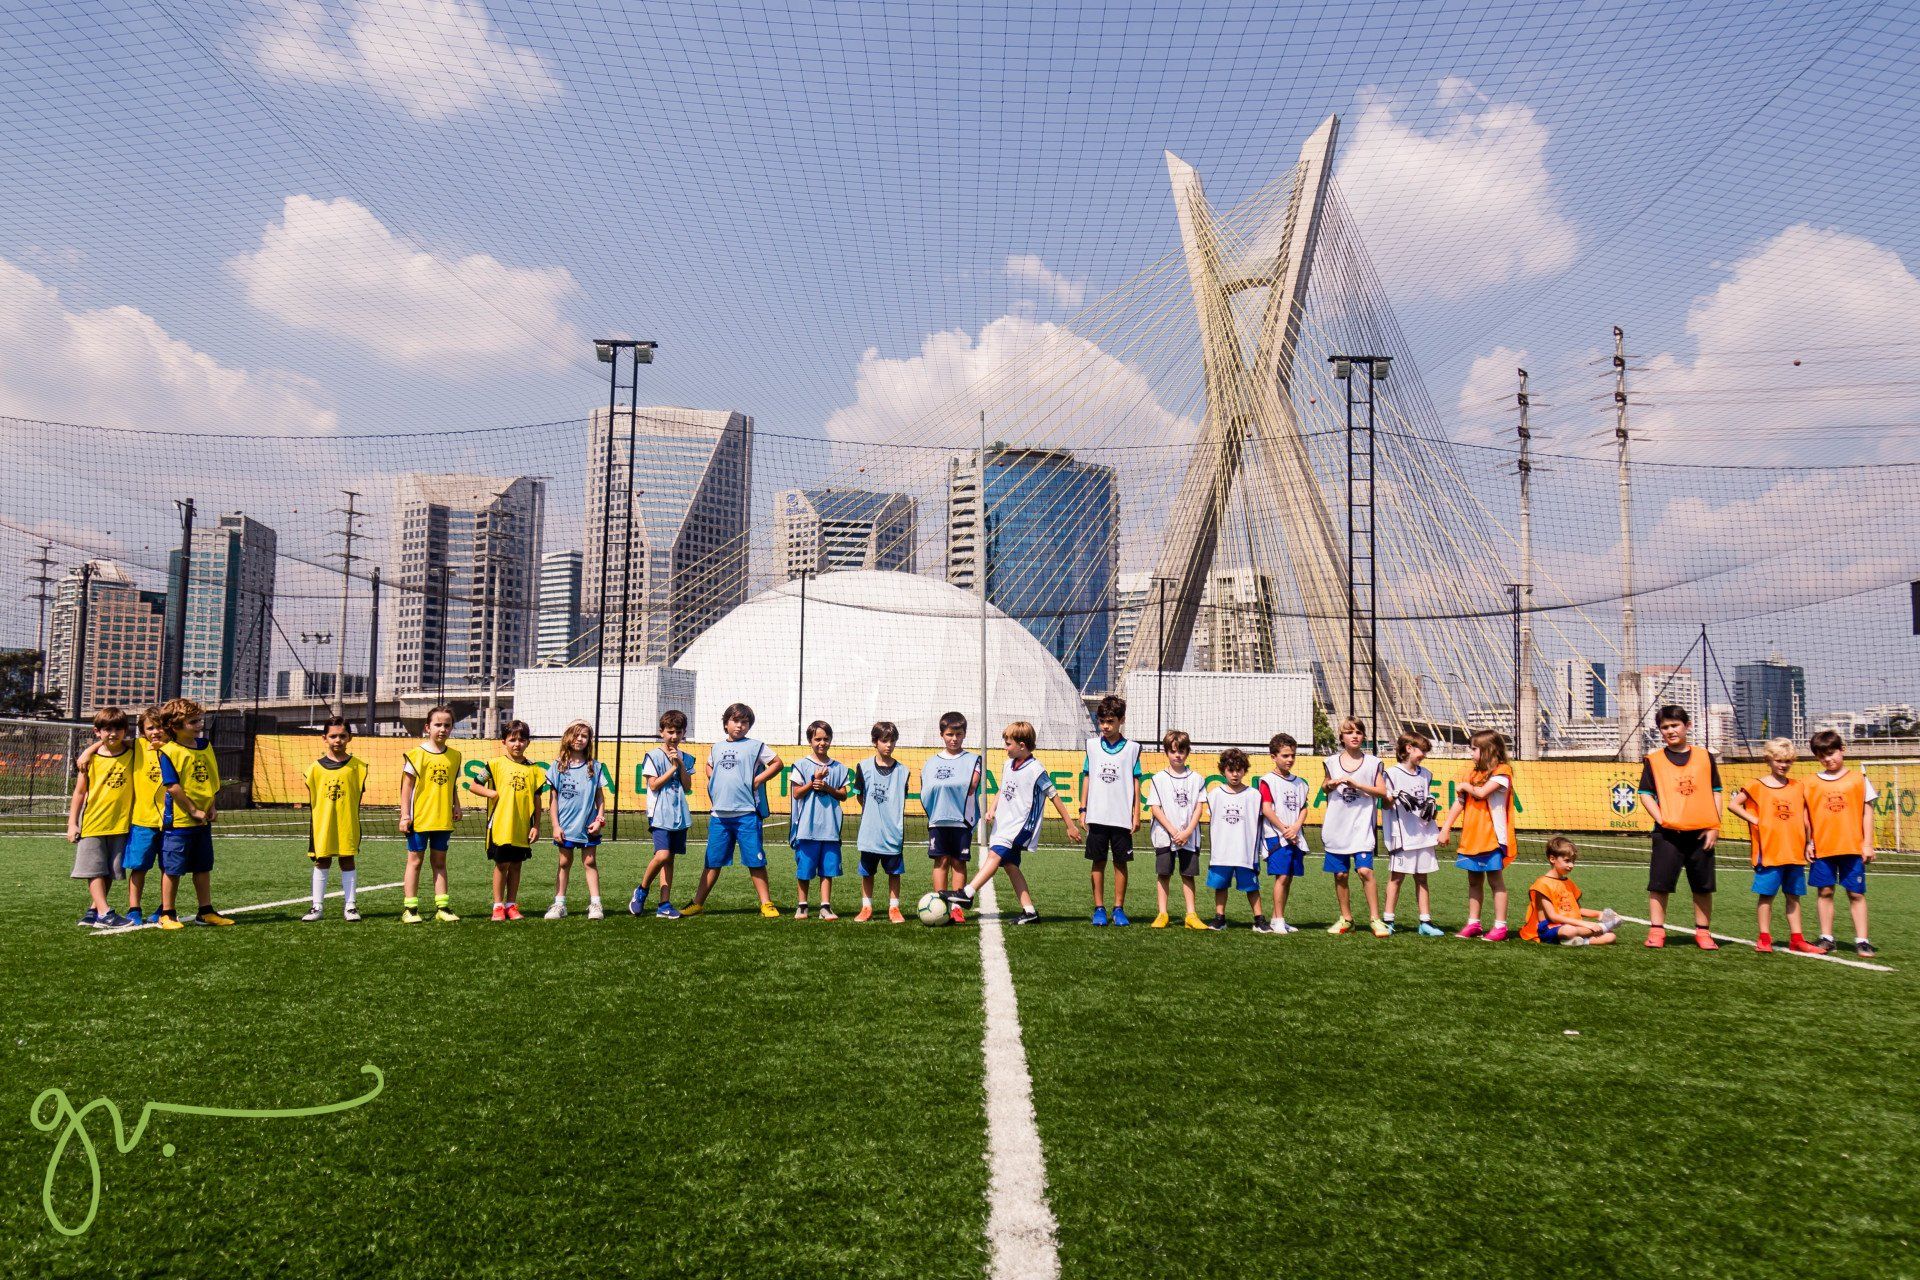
1552,795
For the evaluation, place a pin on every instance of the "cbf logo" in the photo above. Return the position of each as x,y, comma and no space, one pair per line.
1624,798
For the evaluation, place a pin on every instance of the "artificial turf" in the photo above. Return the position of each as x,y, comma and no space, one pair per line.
734,1096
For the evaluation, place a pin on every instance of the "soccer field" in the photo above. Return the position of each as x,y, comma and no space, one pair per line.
729,1095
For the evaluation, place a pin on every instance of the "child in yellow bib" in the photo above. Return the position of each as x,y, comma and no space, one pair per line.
429,806
512,791
100,815
335,784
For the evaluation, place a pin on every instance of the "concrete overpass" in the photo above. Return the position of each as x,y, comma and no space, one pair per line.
409,709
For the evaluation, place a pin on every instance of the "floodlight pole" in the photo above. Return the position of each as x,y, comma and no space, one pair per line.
639,352
81,609
174,657
800,676
980,586
1363,625
373,650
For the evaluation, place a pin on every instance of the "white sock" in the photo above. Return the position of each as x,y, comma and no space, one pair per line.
1499,924
1388,918
1425,918
319,886
499,906
1473,919
594,901
350,885
893,900
560,899
866,901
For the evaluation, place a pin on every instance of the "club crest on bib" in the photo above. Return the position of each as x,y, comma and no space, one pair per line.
1782,812
1836,804
1685,786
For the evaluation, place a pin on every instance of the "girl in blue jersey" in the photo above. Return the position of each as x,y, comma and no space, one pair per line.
737,773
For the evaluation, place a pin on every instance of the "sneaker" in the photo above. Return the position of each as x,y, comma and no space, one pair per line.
1026,917
1261,926
1193,921
114,920
207,915
1159,921
409,915
666,911
958,915
1473,930
1704,940
826,912
170,922
1282,927
1861,948
1342,925
499,915
866,913
1428,929
513,912
1217,925
1804,948
1824,946
693,909
1764,945
91,920
1656,936
770,911
638,902
1609,920
558,911
135,919
1120,918
596,912
444,915
350,913
1381,929
311,916
1577,942
1099,916
800,912
1496,934
896,916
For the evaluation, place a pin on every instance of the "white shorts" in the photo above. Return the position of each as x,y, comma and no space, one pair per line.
1415,861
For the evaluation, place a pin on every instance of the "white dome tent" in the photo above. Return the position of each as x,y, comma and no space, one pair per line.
879,646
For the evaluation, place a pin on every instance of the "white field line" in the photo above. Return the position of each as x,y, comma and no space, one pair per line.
1020,1224
262,906
1749,942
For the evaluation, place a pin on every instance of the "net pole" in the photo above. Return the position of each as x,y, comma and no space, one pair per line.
980,587
373,650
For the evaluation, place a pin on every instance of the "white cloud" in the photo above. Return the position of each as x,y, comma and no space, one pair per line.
1030,268
1487,409
331,267
1812,295
434,58
1458,209
116,366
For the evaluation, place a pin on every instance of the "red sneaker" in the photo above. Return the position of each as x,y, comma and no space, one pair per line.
957,916
1765,945
1704,940
499,914
896,916
866,914
513,911
1801,947
1656,935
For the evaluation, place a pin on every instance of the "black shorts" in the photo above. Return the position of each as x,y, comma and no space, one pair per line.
950,842
508,852
1675,851
1164,860
1105,842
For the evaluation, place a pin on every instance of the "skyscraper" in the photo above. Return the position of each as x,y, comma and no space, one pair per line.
1769,700
118,662
821,530
468,546
687,566
1578,692
229,608
1677,685
1132,592
1234,631
557,643
1051,548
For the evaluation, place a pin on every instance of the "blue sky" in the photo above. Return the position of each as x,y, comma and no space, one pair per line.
351,216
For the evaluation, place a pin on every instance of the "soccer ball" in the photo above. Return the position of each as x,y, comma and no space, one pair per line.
933,910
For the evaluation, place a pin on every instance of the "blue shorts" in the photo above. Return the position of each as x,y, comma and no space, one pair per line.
725,831
591,842
950,842
1009,853
891,863
420,841
186,850
816,858
1492,860
674,842
1341,863
143,848
1790,880
1285,860
1848,870
1549,933
1241,878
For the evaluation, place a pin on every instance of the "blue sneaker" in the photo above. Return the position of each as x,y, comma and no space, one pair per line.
1099,915
113,920
1120,918
638,903
135,918
91,920
1430,930
666,911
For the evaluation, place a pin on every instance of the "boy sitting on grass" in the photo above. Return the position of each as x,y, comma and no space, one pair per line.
1554,913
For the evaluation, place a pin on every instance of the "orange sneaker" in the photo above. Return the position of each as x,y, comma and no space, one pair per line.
499,913
1656,936
513,911
896,916
1704,940
866,914
957,916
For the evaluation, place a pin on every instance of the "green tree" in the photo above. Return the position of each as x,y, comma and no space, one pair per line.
1323,742
18,667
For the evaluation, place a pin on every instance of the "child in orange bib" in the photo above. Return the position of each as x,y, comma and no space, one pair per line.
1840,813
1774,807
1554,913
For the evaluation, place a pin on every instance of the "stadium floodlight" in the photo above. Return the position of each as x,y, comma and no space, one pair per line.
1379,365
1342,367
603,352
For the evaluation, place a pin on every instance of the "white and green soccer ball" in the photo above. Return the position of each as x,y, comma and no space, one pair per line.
933,910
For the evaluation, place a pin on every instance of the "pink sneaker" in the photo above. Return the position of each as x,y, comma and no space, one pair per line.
1498,934
1473,930
1704,940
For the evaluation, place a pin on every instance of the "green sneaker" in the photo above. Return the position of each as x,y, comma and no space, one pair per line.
410,916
